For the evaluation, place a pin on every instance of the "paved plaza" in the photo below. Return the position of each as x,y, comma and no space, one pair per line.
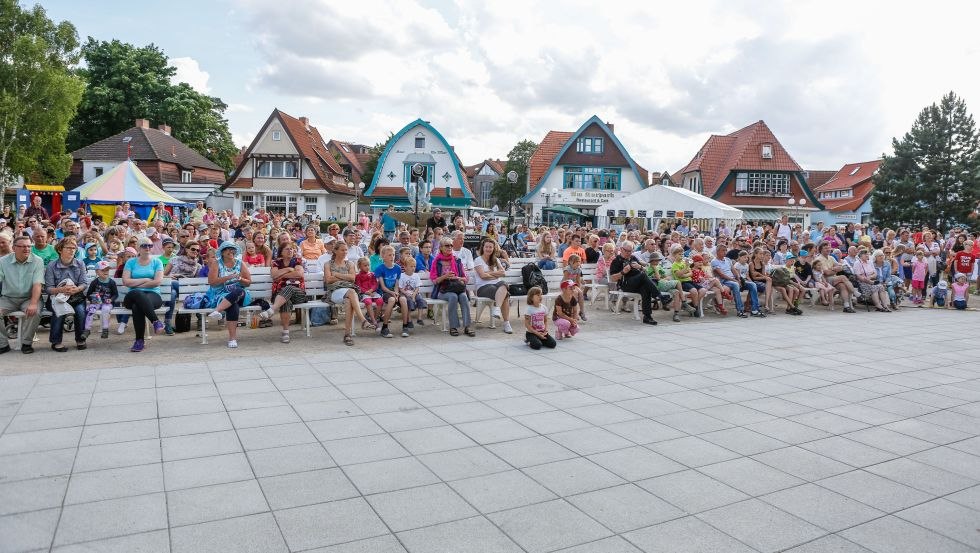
814,434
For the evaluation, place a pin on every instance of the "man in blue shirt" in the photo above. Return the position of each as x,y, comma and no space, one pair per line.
389,223
724,269
817,234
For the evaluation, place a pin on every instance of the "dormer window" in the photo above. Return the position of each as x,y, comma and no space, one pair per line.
589,145
855,171
277,135
419,140
767,151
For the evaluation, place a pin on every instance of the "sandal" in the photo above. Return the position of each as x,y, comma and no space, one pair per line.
368,325
454,332
59,348
469,332
348,340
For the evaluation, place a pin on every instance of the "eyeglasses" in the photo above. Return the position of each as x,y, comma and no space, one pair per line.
195,250
147,246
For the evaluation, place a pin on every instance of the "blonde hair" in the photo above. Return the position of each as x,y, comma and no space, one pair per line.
574,258
532,293
387,248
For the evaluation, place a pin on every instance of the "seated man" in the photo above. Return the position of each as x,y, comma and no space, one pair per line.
628,272
21,278
724,268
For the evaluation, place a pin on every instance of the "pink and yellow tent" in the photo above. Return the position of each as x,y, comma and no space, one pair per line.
124,183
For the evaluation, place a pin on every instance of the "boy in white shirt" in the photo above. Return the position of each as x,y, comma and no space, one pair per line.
408,286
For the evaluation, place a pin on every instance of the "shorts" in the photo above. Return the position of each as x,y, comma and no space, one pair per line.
418,302
689,285
907,272
373,299
918,285
489,291
760,285
959,304
385,296
667,285
338,295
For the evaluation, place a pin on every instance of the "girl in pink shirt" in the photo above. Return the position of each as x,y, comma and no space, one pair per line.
920,268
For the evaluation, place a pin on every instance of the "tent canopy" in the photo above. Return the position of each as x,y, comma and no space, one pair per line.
564,210
661,198
124,183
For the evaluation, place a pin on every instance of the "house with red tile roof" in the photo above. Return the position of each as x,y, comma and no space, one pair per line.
846,196
169,163
289,169
751,170
481,178
572,173
419,145
351,158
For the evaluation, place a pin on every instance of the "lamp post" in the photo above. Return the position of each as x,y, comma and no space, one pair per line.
797,206
548,196
356,189
511,205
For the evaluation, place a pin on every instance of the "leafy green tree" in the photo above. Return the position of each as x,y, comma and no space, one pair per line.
38,93
933,178
371,165
126,83
517,160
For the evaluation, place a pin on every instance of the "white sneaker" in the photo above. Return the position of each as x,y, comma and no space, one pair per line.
495,311
507,328
121,329
216,315
233,344
266,315
284,338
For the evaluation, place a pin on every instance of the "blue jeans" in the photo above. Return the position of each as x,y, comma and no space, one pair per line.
737,294
172,302
58,325
547,264
464,304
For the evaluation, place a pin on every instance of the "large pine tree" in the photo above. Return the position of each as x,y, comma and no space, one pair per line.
933,178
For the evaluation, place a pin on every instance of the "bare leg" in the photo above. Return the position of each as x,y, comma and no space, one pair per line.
503,302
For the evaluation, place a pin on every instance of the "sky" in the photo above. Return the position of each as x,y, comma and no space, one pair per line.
835,81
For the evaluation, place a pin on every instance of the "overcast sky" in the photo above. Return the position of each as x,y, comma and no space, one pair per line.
834,80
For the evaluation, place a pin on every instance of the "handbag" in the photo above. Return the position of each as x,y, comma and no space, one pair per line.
454,287
516,290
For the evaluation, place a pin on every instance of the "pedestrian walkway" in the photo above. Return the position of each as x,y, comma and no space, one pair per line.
828,432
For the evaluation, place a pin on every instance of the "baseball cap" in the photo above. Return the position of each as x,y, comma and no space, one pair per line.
168,240
567,283
804,253
103,265
943,285
697,258
131,251
791,256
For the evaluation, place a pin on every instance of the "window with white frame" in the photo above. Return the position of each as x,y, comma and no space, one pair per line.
277,135
485,189
762,184
767,151
99,171
276,169
186,176
248,203
275,203
595,178
419,140
310,204
834,194
589,145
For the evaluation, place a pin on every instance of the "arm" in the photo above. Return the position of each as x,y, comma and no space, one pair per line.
245,277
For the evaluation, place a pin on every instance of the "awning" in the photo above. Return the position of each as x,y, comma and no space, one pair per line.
564,209
187,194
45,187
771,215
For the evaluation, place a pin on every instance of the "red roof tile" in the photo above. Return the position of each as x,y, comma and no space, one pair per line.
471,170
346,152
542,157
145,145
849,176
816,178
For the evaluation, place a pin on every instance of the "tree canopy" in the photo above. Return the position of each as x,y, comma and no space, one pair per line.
371,165
38,93
126,82
517,160
933,177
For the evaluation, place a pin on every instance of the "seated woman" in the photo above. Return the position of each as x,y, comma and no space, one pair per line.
311,248
338,280
547,253
229,279
490,281
67,275
142,275
602,265
288,287
449,283
868,284
758,275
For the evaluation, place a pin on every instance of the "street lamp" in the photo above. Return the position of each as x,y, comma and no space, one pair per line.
356,189
511,205
548,196
797,206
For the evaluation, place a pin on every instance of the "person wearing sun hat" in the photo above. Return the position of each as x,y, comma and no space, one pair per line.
229,279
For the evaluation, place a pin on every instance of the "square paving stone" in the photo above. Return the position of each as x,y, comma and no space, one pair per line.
761,526
28,531
122,454
952,460
501,491
327,410
693,451
194,424
644,431
307,488
848,451
968,498
495,430
636,463
586,441
204,471
463,463
692,491
289,459
742,440
889,440
472,535
346,427
551,421
802,463
204,504
625,508
820,506
113,517
573,476
280,435
467,412
113,483
922,476
548,526
432,440
603,414
530,451
157,541
250,534
329,523
750,476
39,440
947,518
685,535
418,507
32,495
200,445
829,544
614,544
381,544
364,449
895,535
876,491
264,416
36,465
389,475
412,419
119,432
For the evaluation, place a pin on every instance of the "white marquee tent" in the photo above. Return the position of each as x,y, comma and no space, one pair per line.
658,203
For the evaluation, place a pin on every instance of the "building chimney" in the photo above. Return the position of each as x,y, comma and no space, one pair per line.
305,121
612,128
142,123
165,129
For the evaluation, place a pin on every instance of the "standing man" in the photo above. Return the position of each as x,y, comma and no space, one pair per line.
437,220
783,230
628,271
389,223
161,214
36,210
21,278
197,214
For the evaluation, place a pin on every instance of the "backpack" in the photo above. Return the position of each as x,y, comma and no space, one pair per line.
531,276
197,300
320,316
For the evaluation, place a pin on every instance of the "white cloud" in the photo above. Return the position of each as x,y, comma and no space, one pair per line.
190,72
835,80
239,108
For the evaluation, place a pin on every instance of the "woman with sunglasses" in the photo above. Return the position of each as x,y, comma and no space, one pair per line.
143,274
186,265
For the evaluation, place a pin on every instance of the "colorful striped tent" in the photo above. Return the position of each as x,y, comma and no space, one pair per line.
124,183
